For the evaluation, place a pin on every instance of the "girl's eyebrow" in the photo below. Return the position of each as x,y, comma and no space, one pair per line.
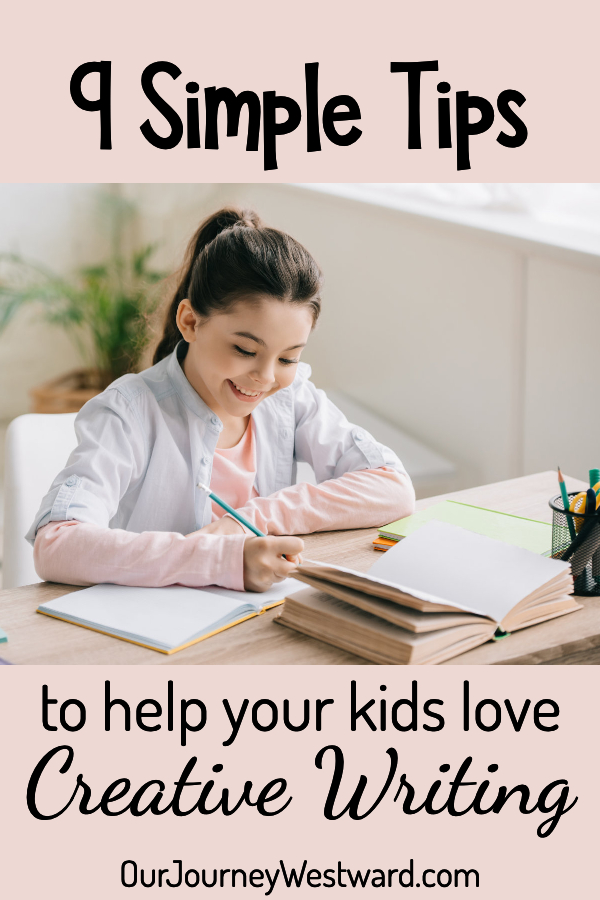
251,337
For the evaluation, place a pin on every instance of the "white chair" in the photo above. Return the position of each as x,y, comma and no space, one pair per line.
37,448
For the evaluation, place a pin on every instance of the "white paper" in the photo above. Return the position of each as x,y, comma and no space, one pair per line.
166,617
465,569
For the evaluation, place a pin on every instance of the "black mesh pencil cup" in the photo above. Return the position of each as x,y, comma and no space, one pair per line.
583,551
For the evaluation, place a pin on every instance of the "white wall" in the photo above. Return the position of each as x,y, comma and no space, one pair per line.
562,420
52,224
447,331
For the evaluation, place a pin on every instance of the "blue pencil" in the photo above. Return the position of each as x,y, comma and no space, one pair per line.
232,512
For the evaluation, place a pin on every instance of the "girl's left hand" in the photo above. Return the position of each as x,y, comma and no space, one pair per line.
225,525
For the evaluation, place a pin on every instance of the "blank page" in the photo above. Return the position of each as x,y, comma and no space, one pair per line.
166,617
466,569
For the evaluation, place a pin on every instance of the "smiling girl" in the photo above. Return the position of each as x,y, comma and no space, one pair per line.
227,402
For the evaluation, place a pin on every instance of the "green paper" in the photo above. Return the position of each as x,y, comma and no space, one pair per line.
527,533
3,636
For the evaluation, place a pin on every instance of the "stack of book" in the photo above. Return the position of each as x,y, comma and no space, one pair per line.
437,593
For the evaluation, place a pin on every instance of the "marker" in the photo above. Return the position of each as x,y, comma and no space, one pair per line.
590,502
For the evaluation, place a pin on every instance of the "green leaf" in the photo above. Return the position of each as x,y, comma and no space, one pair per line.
105,308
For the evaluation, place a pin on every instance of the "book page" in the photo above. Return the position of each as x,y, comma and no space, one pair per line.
167,616
466,569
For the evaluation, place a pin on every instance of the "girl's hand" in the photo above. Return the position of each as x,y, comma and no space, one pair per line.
264,562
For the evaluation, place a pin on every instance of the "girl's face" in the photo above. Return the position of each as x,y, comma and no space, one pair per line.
236,359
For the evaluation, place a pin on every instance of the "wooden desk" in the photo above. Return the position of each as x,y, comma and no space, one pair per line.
571,640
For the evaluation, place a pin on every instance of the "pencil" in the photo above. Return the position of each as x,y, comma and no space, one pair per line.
230,510
565,500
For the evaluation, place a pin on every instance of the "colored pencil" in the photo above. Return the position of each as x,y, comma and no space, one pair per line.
565,499
231,511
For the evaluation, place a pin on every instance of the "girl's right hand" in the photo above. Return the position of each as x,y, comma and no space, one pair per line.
264,562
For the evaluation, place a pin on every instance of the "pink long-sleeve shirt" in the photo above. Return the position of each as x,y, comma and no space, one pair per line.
75,552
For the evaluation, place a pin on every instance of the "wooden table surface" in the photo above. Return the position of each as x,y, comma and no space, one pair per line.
571,640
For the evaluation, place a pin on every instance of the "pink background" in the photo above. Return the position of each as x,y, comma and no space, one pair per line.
76,852
546,50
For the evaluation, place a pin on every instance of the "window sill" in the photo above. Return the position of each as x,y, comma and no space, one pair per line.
524,228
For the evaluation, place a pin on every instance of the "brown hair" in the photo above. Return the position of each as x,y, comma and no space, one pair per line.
234,256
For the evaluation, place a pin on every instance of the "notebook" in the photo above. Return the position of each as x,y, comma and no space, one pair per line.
166,619
383,544
437,593
527,533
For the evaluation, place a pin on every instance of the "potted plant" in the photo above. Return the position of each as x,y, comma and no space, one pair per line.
105,309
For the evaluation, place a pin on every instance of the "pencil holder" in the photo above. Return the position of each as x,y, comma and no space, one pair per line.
584,552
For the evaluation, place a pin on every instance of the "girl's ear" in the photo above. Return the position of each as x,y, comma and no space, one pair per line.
187,321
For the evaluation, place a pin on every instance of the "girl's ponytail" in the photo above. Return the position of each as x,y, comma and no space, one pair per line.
228,217
234,256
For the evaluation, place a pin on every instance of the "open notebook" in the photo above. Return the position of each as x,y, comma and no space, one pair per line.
440,591
165,619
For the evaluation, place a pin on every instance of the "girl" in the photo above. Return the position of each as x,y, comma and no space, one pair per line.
227,402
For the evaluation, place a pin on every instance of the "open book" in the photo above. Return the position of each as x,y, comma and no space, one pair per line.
439,592
165,619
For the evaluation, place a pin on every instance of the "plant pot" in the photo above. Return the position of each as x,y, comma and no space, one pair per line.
69,392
